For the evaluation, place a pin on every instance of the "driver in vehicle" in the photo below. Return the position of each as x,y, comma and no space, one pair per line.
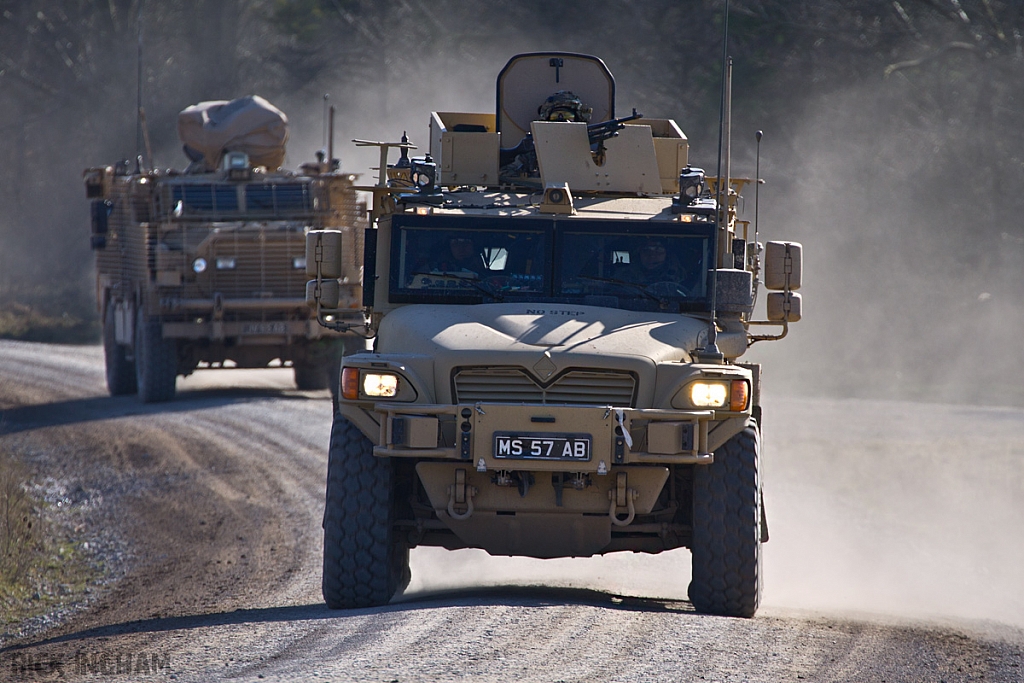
457,255
454,256
462,258
653,264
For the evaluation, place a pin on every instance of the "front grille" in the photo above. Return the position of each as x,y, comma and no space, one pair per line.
264,264
515,385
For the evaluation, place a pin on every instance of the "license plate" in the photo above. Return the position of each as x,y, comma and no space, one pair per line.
265,328
542,446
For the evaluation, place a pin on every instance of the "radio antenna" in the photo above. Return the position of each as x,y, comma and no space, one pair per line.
330,140
757,181
710,352
138,90
323,144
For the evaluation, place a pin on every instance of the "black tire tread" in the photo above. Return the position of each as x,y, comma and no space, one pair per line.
156,361
120,371
727,529
364,563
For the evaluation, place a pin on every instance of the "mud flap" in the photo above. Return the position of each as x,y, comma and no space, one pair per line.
764,521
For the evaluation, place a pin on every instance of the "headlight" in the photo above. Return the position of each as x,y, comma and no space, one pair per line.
226,263
299,263
199,265
732,395
365,383
380,385
709,394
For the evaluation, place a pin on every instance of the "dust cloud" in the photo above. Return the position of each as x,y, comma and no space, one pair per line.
912,286
896,507
912,281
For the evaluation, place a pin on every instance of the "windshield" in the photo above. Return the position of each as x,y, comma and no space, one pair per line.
617,264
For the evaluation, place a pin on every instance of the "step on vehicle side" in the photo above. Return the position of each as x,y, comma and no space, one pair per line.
559,305
206,267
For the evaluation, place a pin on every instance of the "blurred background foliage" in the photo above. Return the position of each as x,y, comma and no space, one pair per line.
892,147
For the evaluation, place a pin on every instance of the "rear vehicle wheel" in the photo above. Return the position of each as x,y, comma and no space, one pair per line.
727,529
311,375
365,561
156,361
120,370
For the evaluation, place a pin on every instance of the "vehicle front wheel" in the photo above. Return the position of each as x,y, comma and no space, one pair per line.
156,361
120,370
727,529
365,561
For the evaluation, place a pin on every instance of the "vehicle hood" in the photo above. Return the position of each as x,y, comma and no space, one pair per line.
562,330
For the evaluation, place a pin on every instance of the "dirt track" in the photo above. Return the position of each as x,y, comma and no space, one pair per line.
889,509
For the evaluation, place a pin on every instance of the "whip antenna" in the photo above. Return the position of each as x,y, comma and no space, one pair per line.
710,352
757,181
138,90
323,142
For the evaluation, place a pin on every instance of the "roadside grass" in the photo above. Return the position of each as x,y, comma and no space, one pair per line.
38,315
19,531
41,565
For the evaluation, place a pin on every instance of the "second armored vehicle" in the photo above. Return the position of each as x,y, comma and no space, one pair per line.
206,267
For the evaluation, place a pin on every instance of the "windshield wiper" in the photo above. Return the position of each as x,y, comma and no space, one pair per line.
473,282
625,283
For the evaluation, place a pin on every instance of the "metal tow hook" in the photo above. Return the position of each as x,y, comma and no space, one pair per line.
621,496
460,494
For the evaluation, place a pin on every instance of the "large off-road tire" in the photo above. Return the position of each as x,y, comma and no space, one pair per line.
120,370
365,560
727,529
156,361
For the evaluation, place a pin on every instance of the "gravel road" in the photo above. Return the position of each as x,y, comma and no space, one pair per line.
896,554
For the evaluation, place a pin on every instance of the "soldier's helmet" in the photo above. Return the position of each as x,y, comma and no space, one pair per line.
564,105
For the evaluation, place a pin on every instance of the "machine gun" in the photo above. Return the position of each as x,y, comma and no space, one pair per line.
596,132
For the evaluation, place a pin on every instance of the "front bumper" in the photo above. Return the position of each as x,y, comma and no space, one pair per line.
618,436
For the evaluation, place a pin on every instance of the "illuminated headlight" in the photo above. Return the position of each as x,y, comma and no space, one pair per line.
299,263
199,265
732,395
709,394
226,263
363,383
380,385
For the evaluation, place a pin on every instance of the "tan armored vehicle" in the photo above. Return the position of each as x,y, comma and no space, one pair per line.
558,311
206,267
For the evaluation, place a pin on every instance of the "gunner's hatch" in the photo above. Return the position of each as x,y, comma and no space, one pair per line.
529,80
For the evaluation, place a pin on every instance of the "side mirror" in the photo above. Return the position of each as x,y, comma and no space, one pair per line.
323,262
783,266
329,295
784,306
323,254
